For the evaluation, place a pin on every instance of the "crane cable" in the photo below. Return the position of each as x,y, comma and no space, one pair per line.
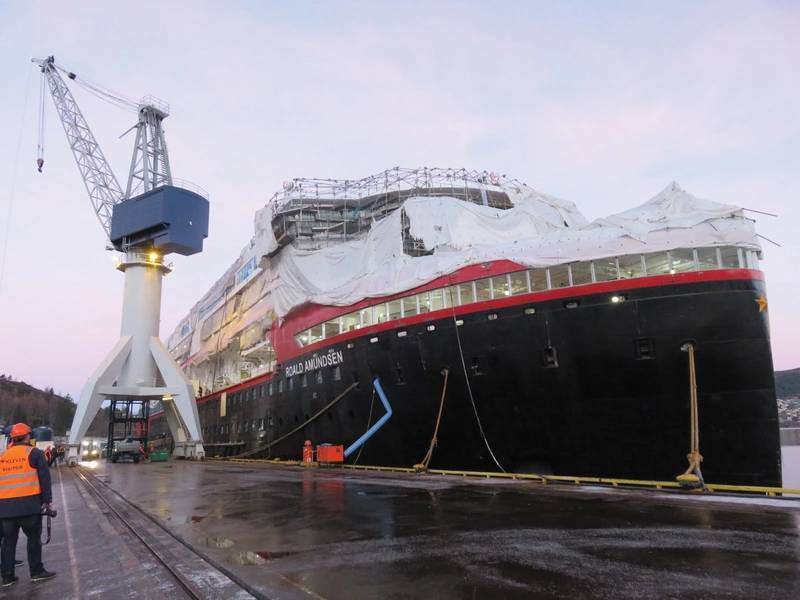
42,123
99,91
94,89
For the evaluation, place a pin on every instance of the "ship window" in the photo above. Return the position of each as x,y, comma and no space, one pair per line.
318,376
656,263
271,389
367,316
450,296
291,383
538,279
350,322
729,258
467,293
581,273
245,272
559,276
394,309
483,290
380,313
682,260
332,328
424,302
605,269
631,266
280,386
519,282
752,259
315,334
337,373
500,286
302,337
409,306
304,380
706,259
437,299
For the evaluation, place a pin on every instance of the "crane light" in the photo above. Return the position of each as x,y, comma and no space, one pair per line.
153,256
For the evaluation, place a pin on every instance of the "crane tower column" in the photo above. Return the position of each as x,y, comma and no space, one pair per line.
150,220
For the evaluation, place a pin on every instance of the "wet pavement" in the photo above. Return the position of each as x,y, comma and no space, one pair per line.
296,533
91,553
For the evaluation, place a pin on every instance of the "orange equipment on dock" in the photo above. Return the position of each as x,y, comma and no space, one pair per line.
308,452
327,453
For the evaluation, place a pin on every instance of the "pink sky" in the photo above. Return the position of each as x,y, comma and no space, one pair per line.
601,106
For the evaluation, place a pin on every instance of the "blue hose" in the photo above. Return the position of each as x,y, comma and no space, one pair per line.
378,424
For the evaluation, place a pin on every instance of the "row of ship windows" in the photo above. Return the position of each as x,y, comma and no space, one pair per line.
524,282
245,426
281,385
278,385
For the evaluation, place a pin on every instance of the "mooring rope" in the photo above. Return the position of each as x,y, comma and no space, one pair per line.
423,464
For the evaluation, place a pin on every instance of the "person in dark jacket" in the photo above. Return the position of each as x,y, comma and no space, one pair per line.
25,492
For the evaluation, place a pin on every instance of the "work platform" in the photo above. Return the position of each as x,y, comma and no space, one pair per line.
273,531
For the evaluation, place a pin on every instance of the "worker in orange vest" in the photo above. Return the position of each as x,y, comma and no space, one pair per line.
24,494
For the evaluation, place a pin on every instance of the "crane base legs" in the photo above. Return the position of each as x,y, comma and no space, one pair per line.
176,396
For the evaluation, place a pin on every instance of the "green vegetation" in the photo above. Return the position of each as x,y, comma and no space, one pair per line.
787,383
20,402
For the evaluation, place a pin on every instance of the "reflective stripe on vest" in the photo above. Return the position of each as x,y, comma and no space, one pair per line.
17,477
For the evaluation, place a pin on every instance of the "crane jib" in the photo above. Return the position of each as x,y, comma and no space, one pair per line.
149,167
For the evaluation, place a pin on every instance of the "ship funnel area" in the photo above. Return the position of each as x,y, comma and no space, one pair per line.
139,371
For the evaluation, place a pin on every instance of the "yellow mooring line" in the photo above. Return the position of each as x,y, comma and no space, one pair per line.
547,479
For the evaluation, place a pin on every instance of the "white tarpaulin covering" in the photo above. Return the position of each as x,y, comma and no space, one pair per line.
538,231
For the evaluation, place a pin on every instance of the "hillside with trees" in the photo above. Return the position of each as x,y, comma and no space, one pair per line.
787,383
20,402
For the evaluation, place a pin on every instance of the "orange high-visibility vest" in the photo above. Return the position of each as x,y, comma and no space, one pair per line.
17,478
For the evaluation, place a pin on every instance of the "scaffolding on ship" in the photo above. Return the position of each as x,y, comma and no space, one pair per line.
314,213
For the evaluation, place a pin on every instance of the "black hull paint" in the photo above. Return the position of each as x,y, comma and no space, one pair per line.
606,409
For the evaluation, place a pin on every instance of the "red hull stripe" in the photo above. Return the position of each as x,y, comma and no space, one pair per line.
575,292
605,287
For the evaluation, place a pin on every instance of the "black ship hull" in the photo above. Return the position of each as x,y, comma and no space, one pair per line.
574,384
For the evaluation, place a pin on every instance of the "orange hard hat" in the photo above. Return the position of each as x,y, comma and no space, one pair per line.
20,430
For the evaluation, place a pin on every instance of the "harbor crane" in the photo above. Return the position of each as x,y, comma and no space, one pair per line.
155,215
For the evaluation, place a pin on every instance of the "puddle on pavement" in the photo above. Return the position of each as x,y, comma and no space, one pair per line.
256,558
273,555
247,558
379,494
216,542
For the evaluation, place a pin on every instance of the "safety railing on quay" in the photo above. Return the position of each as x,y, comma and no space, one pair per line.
710,488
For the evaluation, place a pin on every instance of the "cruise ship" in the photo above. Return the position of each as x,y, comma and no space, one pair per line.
362,309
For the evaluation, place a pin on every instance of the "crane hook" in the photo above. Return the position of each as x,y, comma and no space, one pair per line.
40,164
